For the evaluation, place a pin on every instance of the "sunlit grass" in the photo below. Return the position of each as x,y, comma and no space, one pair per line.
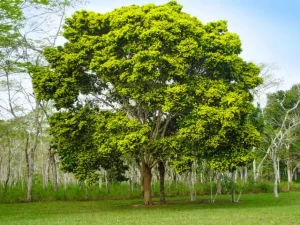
253,209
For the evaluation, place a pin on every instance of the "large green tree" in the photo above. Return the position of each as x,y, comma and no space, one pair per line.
168,79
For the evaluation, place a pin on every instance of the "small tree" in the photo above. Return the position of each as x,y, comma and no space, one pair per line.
282,116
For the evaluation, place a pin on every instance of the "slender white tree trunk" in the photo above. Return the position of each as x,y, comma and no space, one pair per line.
278,169
31,153
254,172
275,168
100,182
219,183
192,179
66,180
246,173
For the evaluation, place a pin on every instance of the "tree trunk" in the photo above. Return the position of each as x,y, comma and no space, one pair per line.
246,174
8,169
233,177
54,170
107,181
45,164
132,174
255,175
289,172
65,180
278,170
275,176
162,171
141,180
100,182
192,184
289,167
147,184
30,155
219,183
86,190
30,171
242,173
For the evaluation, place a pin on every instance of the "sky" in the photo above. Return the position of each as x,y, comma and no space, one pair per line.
269,29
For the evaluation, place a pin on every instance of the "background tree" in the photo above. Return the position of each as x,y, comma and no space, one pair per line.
282,116
28,26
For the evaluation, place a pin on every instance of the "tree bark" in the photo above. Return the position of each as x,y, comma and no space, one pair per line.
278,169
219,183
246,174
289,173
162,171
65,180
8,168
30,171
132,174
254,172
274,159
147,184
233,177
107,181
30,155
192,184
289,166
100,183
54,170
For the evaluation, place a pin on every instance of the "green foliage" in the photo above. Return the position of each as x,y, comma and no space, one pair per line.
256,118
183,164
174,85
220,127
73,134
11,17
117,131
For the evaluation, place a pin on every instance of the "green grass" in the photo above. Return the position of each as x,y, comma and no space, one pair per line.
253,209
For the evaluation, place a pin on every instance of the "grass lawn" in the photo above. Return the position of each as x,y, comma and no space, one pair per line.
253,209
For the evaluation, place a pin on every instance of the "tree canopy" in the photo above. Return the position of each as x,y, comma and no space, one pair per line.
165,82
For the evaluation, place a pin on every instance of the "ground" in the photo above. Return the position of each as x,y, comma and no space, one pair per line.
253,209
